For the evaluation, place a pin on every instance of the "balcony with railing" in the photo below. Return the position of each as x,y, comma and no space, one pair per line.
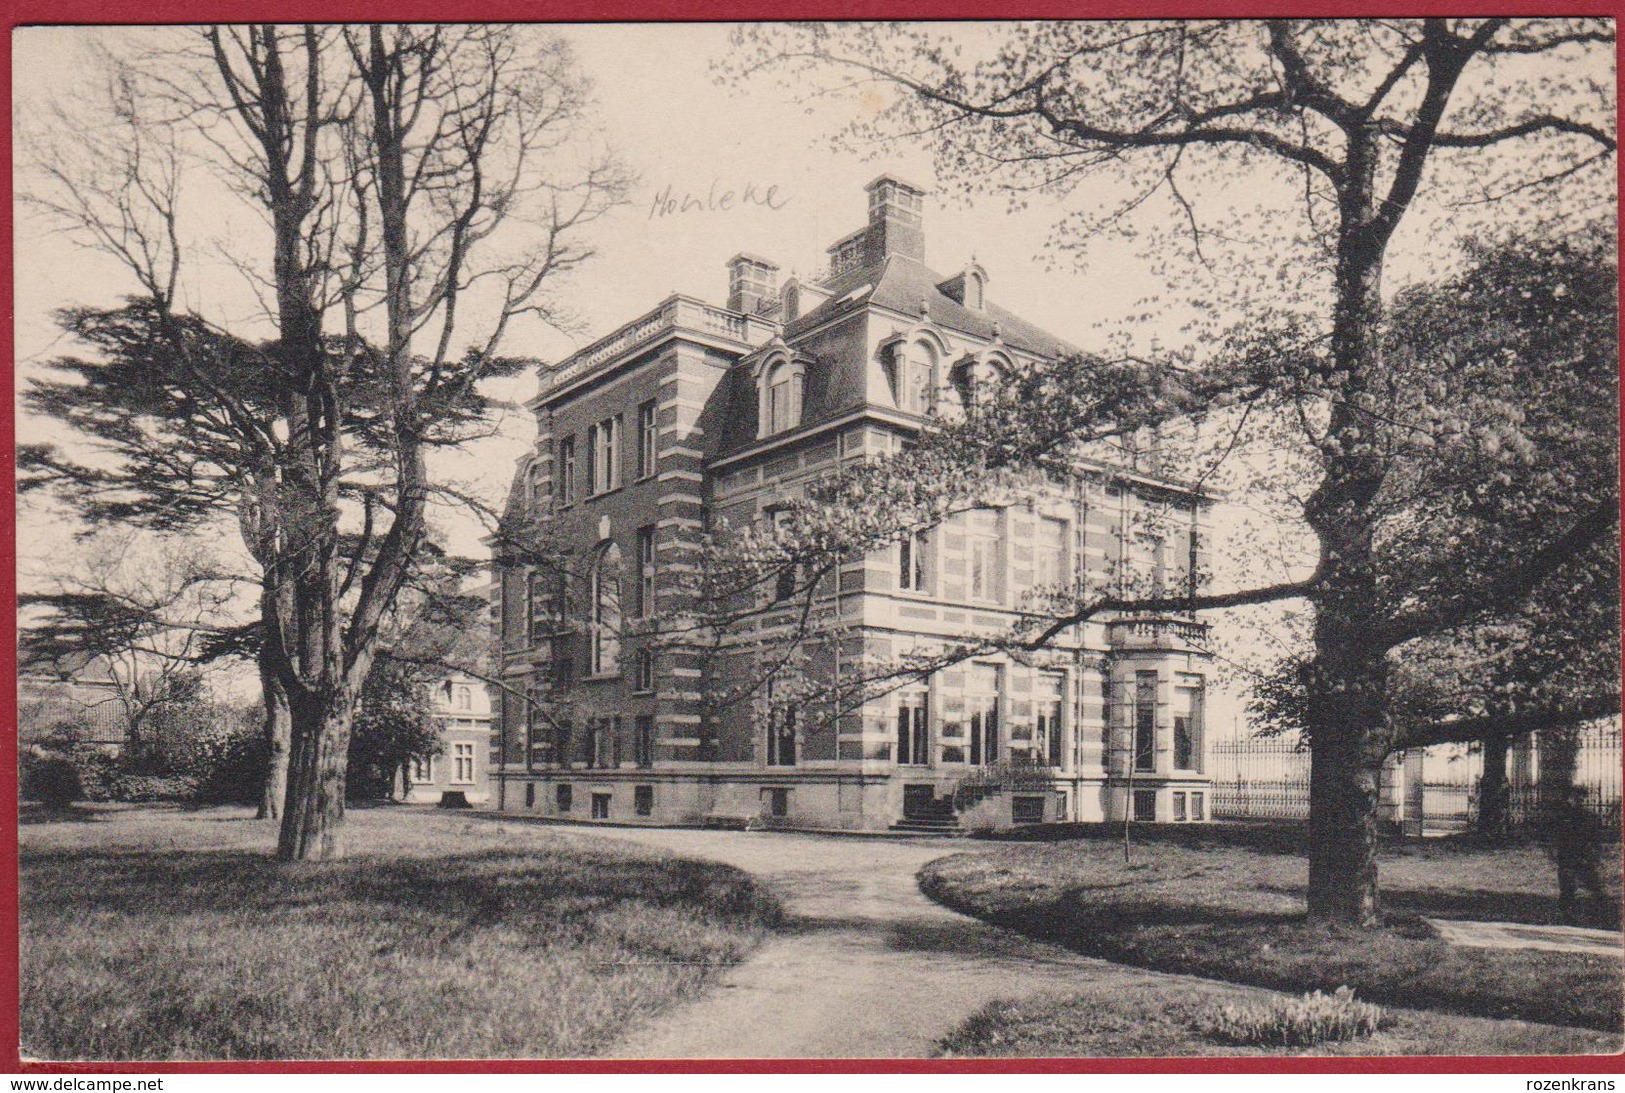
1014,774
675,313
1158,632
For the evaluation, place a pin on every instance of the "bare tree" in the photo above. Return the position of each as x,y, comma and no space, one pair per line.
139,610
1359,118
408,176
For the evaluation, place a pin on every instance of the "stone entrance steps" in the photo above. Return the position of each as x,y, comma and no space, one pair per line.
935,824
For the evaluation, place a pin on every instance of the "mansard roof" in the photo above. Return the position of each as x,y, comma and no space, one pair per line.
899,283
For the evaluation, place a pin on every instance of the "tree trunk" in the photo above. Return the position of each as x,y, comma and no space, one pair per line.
1493,787
1345,785
313,825
278,734
1348,727
1559,753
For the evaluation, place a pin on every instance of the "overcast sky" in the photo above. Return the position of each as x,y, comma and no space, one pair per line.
659,106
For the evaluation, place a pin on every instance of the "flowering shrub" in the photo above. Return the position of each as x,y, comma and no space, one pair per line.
1315,1018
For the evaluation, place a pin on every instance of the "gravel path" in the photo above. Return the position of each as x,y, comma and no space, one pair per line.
1518,935
868,966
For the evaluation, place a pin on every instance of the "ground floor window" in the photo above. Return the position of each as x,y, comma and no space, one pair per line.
781,737
1048,700
1188,724
606,740
913,729
643,800
982,689
423,770
1027,810
462,764
776,801
1145,805
600,806
1189,806
644,745
1145,721
563,797
530,794
561,745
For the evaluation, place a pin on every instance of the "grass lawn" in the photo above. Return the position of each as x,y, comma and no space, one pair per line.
1167,1019
1227,903
152,933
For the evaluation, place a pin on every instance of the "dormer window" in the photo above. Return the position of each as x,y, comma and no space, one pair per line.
917,374
974,282
967,287
781,392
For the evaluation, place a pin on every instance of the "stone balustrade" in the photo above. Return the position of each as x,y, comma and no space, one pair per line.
1157,633
674,313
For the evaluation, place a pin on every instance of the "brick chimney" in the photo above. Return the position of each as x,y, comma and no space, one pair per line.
896,220
752,281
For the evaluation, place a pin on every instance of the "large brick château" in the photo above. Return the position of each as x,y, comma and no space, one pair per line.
695,413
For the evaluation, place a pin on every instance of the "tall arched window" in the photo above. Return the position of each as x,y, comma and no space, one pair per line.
963,380
606,611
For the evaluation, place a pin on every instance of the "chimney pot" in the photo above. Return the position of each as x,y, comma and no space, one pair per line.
896,220
752,280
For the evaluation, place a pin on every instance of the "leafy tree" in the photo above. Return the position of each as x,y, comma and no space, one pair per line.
393,728
388,163
1344,125
141,616
1523,343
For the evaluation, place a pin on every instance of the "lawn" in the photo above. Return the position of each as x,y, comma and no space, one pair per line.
1168,1018
151,933
1227,903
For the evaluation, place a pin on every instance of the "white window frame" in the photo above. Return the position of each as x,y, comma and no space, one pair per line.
1146,685
781,396
1050,719
1058,554
985,742
1193,687
914,718
604,447
913,563
918,377
567,470
981,564
606,632
782,732
648,439
533,602
646,572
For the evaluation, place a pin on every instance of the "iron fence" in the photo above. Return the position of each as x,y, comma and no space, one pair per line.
1436,790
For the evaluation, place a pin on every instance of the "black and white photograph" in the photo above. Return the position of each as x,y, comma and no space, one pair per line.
850,540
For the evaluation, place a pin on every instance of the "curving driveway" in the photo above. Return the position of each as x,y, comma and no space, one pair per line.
867,967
